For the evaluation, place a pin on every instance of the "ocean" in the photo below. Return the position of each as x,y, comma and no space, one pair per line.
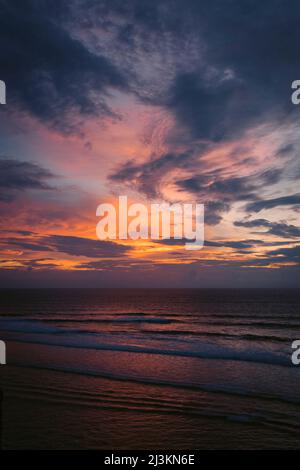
150,369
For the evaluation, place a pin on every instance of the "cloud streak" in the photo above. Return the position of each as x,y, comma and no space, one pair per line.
70,245
280,229
18,176
257,206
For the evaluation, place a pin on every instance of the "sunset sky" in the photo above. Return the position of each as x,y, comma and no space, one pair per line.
161,101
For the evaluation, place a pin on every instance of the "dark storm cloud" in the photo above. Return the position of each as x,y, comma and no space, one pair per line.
280,229
287,254
271,176
280,256
238,188
286,150
257,206
79,246
17,176
238,71
71,245
212,111
252,47
241,244
115,264
48,73
18,232
214,211
238,245
145,177
29,265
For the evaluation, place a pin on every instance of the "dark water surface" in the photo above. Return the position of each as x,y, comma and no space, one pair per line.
150,369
